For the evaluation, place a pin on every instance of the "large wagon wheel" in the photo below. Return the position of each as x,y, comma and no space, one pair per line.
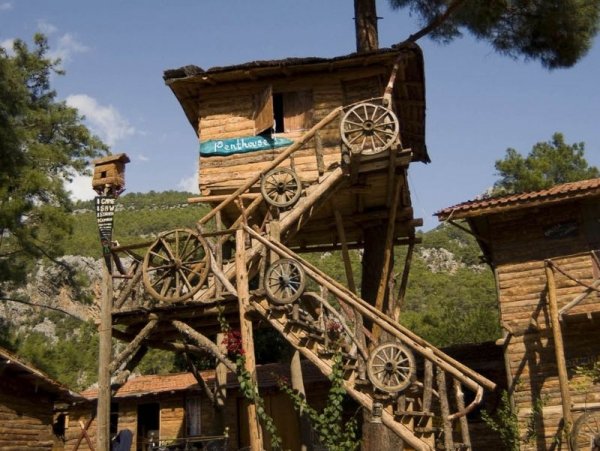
391,367
586,432
369,129
284,281
176,265
281,187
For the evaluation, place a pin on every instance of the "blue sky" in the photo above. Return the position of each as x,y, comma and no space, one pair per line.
478,102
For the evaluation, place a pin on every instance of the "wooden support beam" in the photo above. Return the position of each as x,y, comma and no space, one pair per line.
345,255
559,349
444,408
247,335
404,282
219,198
133,345
388,254
220,387
203,342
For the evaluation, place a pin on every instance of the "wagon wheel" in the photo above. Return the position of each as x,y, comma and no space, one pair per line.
369,129
391,367
284,281
281,187
176,265
586,432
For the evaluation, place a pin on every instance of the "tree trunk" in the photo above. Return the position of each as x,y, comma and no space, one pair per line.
365,19
376,436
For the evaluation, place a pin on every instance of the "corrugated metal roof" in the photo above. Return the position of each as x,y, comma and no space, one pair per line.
154,384
555,194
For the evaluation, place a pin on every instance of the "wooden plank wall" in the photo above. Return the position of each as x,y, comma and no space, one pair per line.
227,112
519,248
26,421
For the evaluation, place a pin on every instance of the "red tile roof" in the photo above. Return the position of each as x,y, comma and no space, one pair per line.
163,383
556,194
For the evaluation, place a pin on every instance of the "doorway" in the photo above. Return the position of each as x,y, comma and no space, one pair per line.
148,425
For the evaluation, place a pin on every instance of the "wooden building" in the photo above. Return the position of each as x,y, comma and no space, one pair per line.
544,249
173,409
32,407
247,115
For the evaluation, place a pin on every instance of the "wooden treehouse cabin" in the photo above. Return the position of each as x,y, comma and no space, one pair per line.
299,155
544,248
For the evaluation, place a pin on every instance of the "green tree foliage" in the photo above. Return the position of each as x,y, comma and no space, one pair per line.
549,163
555,32
43,143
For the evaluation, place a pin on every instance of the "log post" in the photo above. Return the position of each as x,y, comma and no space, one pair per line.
559,349
104,358
365,16
247,335
220,388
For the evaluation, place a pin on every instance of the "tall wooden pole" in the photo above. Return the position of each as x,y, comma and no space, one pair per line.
365,17
559,349
104,359
247,335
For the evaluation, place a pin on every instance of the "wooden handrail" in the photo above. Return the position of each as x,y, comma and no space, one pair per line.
280,158
467,376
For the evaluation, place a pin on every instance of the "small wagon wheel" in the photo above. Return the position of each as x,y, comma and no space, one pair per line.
369,129
281,187
391,367
176,265
586,432
284,281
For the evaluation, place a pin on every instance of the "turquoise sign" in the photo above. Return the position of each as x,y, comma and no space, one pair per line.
241,145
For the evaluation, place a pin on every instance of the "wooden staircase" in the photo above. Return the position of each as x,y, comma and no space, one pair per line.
408,384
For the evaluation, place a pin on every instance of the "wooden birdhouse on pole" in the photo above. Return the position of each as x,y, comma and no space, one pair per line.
109,174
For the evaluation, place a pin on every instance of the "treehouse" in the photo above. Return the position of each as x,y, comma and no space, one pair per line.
300,155
332,113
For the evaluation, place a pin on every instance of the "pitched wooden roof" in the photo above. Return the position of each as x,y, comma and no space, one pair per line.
12,367
155,384
558,193
188,82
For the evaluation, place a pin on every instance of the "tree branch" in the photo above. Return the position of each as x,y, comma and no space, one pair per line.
198,376
432,25
20,301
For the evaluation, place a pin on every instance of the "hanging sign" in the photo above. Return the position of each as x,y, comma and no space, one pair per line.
105,211
222,147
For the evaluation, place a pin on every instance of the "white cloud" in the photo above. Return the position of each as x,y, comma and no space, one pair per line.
5,6
66,46
81,188
7,45
189,184
46,27
106,121
142,157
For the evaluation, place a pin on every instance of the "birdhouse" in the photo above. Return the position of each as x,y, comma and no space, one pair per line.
109,172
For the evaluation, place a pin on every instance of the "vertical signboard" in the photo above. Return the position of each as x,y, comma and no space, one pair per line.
105,211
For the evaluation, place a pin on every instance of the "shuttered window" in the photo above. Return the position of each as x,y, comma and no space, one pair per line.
263,111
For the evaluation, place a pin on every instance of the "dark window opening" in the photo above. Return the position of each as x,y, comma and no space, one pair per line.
148,429
114,418
278,113
103,174
59,426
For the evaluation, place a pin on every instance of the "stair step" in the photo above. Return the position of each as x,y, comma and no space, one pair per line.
428,429
310,327
413,413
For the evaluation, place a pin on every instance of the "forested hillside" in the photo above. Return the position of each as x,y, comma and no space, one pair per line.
450,297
